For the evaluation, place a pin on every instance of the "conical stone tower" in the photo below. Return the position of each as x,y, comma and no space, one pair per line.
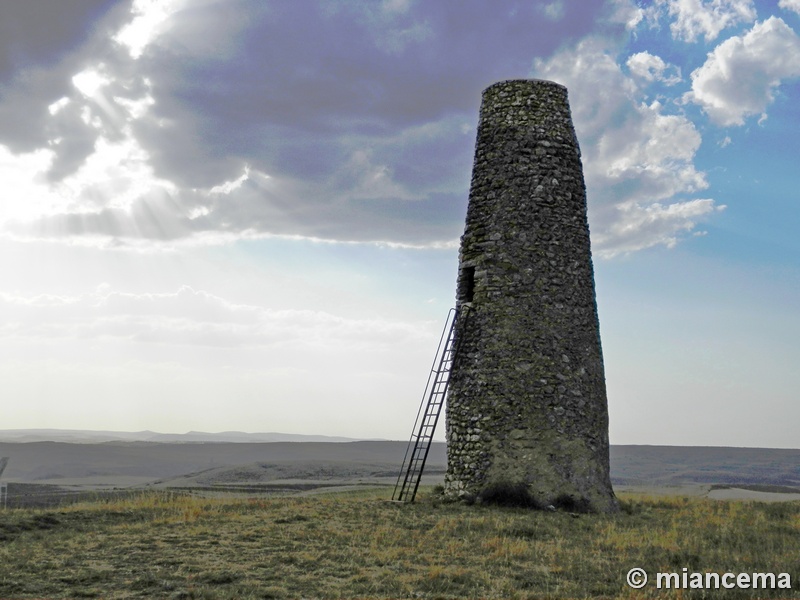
527,406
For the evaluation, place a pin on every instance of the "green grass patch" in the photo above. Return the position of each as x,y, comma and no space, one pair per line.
358,545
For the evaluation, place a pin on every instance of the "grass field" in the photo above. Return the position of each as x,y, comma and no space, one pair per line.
357,545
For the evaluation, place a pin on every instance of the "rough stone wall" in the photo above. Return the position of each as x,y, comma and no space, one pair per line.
527,397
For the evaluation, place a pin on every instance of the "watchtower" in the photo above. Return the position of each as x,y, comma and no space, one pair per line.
527,405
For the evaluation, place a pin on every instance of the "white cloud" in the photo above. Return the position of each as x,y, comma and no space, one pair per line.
793,5
169,353
637,226
95,179
150,20
231,186
740,76
396,6
192,318
367,180
115,175
637,160
58,105
90,82
649,67
707,18
26,195
627,13
554,10
136,108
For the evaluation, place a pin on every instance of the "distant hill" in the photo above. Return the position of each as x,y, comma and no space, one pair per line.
677,465
55,462
79,436
143,461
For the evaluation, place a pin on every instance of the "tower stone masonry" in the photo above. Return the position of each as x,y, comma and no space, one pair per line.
527,402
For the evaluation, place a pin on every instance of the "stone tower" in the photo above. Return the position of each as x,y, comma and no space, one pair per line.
527,399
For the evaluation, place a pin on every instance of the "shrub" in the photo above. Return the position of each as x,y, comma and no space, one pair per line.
572,504
506,493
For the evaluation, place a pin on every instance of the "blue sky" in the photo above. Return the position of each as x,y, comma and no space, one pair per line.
244,214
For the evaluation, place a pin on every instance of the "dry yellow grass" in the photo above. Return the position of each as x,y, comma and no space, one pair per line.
162,545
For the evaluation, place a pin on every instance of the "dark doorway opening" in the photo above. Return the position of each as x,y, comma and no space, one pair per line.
466,285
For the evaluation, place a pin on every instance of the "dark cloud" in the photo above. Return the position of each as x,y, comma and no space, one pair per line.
23,109
34,33
43,43
356,119
302,77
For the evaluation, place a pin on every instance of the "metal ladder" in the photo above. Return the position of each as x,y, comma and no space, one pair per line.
428,414
3,485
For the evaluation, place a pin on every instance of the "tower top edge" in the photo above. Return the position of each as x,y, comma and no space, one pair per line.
530,82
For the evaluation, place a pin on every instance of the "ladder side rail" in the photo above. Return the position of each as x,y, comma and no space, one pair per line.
432,375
